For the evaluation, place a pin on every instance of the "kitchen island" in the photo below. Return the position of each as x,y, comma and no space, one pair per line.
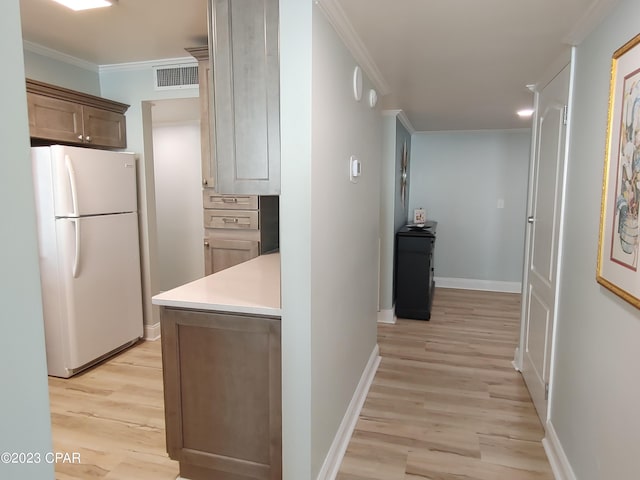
221,361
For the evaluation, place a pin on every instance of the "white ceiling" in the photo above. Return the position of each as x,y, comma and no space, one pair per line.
449,64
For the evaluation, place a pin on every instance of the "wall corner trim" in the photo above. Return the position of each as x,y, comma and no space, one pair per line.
387,316
152,332
354,43
557,458
402,116
336,452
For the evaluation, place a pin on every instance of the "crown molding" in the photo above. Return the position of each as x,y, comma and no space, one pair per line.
402,116
59,56
147,64
596,12
336,16
473,132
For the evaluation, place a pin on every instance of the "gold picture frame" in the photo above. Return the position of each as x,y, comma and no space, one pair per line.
618,264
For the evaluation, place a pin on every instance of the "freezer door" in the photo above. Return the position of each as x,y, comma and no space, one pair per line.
92,182
99,266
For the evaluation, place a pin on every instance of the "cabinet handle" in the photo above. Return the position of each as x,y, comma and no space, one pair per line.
88,138
204,181
229,220
229,200
206,244
80,137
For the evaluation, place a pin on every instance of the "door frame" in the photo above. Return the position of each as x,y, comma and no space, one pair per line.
536,89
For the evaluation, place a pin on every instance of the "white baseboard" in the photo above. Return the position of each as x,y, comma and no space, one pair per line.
152,332
334,457
472,284
387,316
557,459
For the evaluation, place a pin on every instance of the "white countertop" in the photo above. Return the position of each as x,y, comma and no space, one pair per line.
251,287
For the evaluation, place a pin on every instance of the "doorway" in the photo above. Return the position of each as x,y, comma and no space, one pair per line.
178,193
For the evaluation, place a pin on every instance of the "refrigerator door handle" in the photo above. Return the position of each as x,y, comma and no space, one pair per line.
76,261
72,184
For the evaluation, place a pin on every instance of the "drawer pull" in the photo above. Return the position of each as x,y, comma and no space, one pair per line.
230,220
229,200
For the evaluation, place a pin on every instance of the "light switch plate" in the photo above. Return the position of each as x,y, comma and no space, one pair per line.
355,169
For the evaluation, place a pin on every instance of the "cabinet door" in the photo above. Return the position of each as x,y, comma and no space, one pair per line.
208,159
220,254
222,387
104,128
246,96
53,119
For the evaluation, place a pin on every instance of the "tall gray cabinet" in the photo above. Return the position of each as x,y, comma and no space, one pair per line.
245,125
240,128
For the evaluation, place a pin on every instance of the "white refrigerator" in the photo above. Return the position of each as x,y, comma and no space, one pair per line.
87,221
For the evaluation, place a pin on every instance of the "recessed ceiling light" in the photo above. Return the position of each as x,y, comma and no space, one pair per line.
85,4
525,113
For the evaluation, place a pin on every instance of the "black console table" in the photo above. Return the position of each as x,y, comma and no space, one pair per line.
414,271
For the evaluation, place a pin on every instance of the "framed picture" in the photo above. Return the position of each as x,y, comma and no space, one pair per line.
404,165
617,267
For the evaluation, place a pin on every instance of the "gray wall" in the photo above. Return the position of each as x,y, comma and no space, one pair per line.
78,76
393,213
178,175
344,234
134,86
295,235
459,177
595,391
24,418
329,235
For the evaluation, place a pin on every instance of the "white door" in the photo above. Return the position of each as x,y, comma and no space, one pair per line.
99,266
545,208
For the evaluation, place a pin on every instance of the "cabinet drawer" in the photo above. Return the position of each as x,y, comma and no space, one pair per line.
229,202
238,219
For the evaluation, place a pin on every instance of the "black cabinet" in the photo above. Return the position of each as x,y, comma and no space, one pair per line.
414,271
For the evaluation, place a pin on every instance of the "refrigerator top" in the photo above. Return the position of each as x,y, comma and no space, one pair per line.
85,181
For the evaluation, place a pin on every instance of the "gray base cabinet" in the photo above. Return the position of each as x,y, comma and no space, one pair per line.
222,387
238,228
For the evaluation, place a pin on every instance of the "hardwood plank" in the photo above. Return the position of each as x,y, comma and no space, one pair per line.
113,416
447,399
445,404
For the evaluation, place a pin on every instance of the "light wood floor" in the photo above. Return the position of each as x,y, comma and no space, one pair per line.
113,415
445,404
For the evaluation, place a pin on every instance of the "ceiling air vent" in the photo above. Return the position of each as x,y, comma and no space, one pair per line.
169,77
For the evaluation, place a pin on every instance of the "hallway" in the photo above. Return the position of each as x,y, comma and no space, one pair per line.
446,402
